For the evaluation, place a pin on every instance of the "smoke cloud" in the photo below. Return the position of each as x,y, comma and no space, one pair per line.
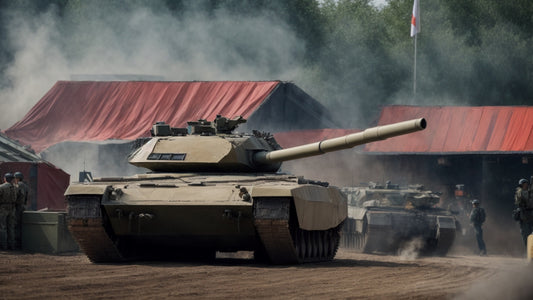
127,37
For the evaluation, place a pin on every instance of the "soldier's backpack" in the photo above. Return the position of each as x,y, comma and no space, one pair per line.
481,216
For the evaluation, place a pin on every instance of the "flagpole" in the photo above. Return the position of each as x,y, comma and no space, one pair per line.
415,29
414,73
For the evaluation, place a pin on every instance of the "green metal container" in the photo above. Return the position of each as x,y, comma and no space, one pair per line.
46,232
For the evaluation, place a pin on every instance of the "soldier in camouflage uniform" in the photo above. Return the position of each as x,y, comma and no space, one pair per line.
8,198
477,218
22,200
524,202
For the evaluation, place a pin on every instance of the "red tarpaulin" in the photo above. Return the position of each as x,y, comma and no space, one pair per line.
99,110
300,137
453,129
46,183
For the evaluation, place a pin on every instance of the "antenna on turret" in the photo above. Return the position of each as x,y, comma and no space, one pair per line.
85,176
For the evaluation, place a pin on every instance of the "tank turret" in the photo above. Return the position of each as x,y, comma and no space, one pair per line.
213,146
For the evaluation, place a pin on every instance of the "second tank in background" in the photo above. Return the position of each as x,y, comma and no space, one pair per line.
388,218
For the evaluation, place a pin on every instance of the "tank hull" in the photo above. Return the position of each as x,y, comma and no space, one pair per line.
175,217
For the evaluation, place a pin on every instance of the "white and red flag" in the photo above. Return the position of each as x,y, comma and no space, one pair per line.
415,19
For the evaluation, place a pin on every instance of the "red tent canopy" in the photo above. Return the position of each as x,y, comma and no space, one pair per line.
100,110
454,129
298,137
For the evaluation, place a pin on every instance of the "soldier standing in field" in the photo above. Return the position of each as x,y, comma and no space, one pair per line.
477,218
524,203
8,199
22,200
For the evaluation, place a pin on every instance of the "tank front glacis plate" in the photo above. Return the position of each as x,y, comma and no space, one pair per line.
146,194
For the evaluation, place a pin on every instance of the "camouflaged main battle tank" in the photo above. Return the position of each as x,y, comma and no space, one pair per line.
387,218
214,190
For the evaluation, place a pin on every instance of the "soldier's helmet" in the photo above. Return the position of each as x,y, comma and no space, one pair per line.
19,175
522,181
475,201
8,177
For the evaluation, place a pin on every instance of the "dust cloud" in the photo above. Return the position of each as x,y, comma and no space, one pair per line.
515,284
411,249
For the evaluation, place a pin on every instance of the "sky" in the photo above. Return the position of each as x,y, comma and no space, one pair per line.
379,3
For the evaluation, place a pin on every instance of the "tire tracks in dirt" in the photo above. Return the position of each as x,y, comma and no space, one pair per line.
351,275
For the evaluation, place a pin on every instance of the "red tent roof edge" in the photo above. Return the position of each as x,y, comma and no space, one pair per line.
459,129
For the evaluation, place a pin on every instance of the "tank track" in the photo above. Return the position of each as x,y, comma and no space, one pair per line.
370,240
373,239
284,241
87,227
94,241
444,241
351,238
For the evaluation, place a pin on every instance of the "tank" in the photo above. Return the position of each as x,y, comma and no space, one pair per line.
389,218
210,189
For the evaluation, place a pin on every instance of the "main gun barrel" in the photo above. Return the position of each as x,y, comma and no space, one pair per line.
344,142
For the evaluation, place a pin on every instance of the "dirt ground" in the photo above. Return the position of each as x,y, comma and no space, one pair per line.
350,275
